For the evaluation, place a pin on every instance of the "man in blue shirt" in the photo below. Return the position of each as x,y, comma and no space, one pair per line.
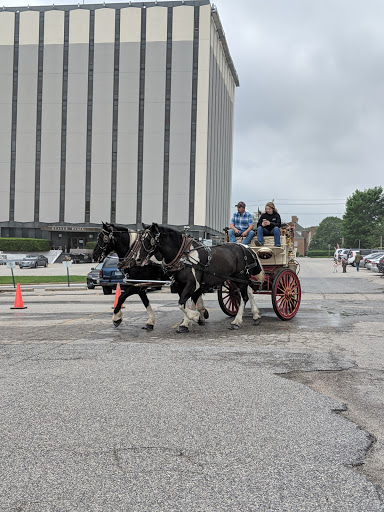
241,225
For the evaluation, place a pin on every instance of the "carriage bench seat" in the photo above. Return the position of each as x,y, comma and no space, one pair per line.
277,255
269,241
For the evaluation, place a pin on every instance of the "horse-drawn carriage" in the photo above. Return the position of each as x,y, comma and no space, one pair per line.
280,278
238,272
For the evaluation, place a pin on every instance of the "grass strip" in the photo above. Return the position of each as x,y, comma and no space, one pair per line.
42,279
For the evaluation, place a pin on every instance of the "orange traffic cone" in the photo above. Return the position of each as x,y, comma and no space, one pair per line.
117,295
18,299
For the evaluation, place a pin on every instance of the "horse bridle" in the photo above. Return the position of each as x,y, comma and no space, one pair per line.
107,237
179,260
154,241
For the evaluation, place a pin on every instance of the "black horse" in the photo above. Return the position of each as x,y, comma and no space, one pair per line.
196,268
119,239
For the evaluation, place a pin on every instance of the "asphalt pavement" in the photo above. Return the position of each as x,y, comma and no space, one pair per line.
285,416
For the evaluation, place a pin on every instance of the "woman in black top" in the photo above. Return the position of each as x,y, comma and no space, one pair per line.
269,225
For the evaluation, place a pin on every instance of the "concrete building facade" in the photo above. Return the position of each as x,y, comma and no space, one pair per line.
117,112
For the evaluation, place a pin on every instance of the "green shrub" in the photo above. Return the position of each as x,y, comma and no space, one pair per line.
24,245
90,245
318,254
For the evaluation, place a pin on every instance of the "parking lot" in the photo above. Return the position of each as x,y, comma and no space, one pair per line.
98,418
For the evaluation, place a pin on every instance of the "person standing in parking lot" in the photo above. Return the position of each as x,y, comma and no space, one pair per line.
344,263
358,258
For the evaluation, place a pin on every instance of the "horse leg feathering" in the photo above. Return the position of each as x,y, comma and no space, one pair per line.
201,309
151,319
255,311
236,323
117,318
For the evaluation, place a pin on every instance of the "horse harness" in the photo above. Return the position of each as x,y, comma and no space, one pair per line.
108,236
245,270
184,259
131,254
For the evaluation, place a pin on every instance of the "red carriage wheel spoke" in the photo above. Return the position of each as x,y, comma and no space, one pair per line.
229,298
286,294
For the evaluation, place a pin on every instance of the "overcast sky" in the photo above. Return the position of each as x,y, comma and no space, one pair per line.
309,112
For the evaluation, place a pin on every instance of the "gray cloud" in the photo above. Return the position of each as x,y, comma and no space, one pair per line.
309,118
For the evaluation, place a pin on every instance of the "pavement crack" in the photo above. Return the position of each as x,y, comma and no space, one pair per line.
156,459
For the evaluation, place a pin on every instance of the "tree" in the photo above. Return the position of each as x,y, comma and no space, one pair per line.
328,232
363,221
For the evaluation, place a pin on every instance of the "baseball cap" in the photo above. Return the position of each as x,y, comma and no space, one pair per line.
240,203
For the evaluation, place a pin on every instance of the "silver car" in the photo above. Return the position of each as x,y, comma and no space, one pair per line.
368,257
375,259
33,261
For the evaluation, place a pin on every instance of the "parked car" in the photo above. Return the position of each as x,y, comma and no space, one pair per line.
351,256
110,275
93,277
375,263
380,266
34,261
106,274
365,252
76,258
369,262
337,253
367,257
81,258
343,254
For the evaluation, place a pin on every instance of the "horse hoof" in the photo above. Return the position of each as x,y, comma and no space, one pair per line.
116,323
257,322
234,327
148,327
206,314
201,321
182,329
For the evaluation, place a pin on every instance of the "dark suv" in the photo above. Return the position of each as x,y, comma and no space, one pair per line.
106,274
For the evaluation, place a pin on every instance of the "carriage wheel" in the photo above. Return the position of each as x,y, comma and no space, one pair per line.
229,298
286,294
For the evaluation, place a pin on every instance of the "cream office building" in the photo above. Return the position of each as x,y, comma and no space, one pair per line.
114,112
